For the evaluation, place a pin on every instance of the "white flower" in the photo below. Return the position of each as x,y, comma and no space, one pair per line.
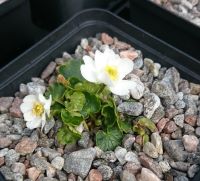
110,69
35,109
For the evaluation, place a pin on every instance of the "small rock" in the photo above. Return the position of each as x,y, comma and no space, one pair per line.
5,103
48,70
98,162
179,119
33,173
131,108
190,143
18,168
79,162
132,167
197,131
130,54
151,103
50,153
177,134
132,157
181,178
71,177
11,157
188,129
138,62
46,142
158,114
58,163
127,176
84,43
61,175
164,165
106,39
84,141
170,113
23,89
35,88
170,127
175,148
50,172
128,141
94,175
105,171
193,170
150,150
5,142
3,152
15,110
157,142
120,153
18,177
40,162
48,126
2,161
161,124
7,173
181,166
193,158
147,175
26,146
180,104
191,120
109,156
121,45
14,137
195,88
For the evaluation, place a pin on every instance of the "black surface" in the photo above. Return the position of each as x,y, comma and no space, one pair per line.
58,11
166,25
17,33
87,24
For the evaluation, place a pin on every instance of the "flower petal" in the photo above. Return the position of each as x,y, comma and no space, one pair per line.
30,99
29,116
34,124
88,60
88,72
123,87
25,107
100,60
125,67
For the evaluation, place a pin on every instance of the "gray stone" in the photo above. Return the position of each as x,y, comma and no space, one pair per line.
50,153
18,177
177,134
179,120
147,175
35,88
181,166
84,141
180,104
138,62
99,152
4,117
132,157
131,108
48,126
5,103
151,103
194,158
128,141
197,131
61,175
79,162
5,142
181,178
3,152
164,165
14,137
158,114
18,168
23,89
6,173
58,163
11,157
120,153
157,142
150,150
39,162
109,156
105,171
175,148
46,142
50,172
48,70
47,179
190,143
193,169
188,129
127,176
98,162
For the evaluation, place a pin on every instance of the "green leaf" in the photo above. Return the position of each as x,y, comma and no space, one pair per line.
145,138
57,91
109,116
89,87
56,108
66,136
139,130
124,126
145,122
92,105
71,69
69,119
110,140
77,101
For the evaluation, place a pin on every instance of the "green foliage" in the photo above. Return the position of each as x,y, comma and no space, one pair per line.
143,126
76,102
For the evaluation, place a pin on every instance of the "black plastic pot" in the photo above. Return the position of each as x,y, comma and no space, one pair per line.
17,33
49,14
166,25
87,24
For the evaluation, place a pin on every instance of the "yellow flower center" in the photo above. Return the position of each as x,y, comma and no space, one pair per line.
112,72
38,109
